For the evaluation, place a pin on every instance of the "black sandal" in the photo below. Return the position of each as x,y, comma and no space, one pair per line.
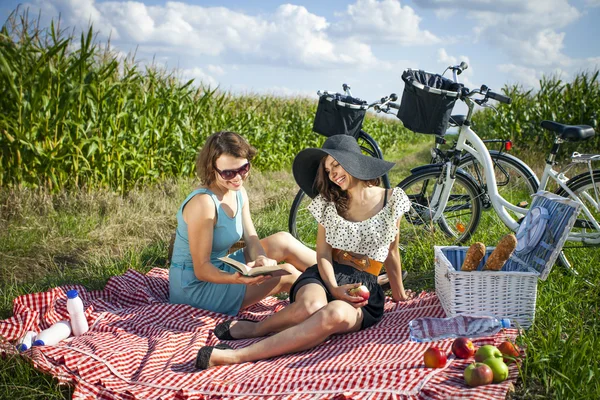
203,356
222,330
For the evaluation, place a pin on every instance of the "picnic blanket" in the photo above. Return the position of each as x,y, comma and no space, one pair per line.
141,347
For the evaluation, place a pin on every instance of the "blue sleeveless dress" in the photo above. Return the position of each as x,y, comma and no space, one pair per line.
184,287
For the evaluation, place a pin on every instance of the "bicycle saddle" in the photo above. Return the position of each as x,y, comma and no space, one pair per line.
569,133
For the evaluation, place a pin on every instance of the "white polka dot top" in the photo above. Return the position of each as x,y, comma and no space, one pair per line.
371,237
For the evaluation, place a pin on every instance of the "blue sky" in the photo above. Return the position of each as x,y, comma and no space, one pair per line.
297,48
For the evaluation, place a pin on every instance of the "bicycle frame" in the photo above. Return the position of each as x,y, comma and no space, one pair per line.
480,152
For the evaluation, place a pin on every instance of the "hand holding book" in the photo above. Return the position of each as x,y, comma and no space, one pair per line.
247,270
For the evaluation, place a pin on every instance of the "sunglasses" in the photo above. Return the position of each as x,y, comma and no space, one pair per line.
229,174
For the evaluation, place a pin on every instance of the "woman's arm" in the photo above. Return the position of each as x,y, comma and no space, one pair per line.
325,265
394,269
324,262
199,214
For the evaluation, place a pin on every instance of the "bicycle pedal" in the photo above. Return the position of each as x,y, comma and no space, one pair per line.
523,204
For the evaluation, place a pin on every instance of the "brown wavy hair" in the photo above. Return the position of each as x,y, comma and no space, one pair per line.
217,144
332,192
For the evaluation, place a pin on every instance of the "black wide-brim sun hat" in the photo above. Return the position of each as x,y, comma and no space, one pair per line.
346,151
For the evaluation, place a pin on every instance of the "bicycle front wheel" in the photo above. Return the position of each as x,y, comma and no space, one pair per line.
461,214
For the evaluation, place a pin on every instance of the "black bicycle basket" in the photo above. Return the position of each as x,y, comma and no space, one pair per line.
339,115
427,101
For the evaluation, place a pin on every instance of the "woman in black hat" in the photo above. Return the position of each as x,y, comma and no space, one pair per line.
358,234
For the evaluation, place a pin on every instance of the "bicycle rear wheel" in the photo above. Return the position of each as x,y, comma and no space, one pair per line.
461,214
588,192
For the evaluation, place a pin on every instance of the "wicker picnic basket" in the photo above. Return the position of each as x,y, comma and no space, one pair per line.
511,292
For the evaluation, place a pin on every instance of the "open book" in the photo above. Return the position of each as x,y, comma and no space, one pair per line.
273,270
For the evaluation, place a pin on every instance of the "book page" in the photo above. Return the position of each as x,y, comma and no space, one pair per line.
242,268
273,270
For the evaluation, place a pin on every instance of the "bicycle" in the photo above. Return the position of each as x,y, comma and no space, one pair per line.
512,173
439,203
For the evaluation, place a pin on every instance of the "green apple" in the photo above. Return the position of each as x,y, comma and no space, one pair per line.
487,351
499,368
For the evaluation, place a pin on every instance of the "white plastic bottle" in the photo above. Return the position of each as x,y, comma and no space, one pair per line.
79,323
51,336
471,326
25,342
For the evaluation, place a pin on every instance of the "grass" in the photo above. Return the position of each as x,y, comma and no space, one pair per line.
48,240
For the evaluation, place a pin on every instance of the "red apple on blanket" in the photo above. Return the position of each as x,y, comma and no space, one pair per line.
498,367
463,348
478,374
361,291
434,357
510,351
487,351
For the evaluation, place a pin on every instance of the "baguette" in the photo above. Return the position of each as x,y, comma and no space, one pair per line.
506,246
473,257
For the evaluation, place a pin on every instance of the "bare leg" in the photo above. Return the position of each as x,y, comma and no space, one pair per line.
282,246
278,284
309,299
336,317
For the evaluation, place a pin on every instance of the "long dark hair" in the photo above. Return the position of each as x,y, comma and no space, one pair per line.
332,192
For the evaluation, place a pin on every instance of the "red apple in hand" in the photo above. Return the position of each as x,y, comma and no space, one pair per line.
434,358
510,351
477,374
463,348
360,291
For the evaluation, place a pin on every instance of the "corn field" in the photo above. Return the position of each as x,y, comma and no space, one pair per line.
74,115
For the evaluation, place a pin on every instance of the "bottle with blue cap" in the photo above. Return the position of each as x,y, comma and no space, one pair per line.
53,335
430,329
26,341
76,311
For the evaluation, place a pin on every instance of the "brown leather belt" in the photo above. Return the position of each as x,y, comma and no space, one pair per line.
358,261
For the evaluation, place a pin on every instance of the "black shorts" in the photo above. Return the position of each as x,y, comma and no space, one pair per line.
344,274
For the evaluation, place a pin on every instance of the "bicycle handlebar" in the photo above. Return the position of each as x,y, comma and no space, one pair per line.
499,97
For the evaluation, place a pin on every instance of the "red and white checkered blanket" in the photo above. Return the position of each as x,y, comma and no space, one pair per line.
141,347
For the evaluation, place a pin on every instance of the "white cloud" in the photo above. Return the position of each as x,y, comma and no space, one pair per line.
383,21
528,31
199,76
528,77
445,60
215,69
291,36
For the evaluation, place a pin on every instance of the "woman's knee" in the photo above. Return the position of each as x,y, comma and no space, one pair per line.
338,316
282,240
309,307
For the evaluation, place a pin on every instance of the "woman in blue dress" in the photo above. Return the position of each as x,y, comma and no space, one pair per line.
214,217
